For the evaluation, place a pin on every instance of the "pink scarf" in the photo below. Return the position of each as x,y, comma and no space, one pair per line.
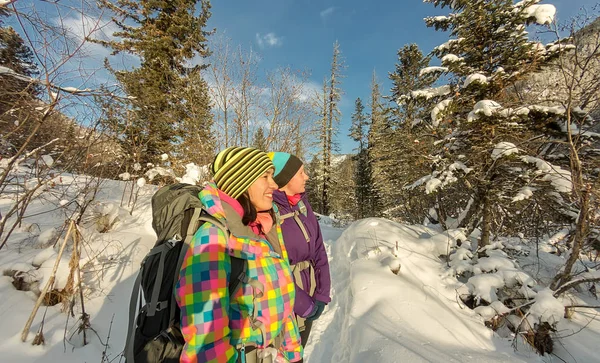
294,199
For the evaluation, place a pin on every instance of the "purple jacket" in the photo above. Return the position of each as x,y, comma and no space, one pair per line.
299,250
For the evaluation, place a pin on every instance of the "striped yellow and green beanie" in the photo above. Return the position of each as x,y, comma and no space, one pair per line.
236,168
286,166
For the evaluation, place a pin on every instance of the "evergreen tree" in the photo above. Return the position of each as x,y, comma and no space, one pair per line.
362,170
17,95
342,192
378,152
167,108
410,141
483,121
16,56
412,72
331,116
260,141
315,182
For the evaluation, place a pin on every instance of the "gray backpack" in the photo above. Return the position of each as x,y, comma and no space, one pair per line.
153,333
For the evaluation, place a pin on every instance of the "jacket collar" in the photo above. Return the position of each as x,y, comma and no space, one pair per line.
243,242
280,198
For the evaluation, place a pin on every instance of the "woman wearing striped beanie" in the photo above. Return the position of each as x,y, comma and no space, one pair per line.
256,322
303,240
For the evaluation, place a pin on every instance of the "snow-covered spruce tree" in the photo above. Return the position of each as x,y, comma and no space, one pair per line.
505,148
494,140
362,170
167,107
411,137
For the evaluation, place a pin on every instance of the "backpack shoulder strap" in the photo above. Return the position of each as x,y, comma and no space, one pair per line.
237,275
135,297
302,207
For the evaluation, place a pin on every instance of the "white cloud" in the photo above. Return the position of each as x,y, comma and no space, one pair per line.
327,12
268,40
85,26
310,90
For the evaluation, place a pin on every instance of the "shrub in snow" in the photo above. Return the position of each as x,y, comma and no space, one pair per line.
395,266
24,277
104,216
47,237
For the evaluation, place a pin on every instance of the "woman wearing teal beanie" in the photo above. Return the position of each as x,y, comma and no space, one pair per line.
303,241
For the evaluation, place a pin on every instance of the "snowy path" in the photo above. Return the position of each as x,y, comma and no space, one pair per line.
376,316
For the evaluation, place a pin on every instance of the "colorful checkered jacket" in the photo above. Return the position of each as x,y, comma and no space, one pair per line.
214,324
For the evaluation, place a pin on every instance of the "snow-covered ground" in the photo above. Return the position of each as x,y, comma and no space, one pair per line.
416,316
376,315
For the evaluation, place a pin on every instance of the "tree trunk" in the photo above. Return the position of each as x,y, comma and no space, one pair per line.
580,233
487,223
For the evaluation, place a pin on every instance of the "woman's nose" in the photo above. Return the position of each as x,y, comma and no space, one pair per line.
272,184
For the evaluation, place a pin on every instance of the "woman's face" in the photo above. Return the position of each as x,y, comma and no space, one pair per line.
297,184
261,191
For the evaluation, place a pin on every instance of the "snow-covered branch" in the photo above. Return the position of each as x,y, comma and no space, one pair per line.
593,278
72,90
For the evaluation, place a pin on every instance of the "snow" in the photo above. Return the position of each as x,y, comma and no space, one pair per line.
486,107
494,263
141,182
435,69
475,77
447,45
484,286
377,316
6,70
488,312
125,176
394,299
546,308
428,93
432,184
158,170
440,107
43,256
450,58
457,165
523,194
47,236
543,14
194,173
557,110
504,149
47,159
75,89
560,47
558,177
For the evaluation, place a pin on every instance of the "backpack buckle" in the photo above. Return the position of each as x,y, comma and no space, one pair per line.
166,336
173,241
161,305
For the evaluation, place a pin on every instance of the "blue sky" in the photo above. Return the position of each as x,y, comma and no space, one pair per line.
301,33
296,33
